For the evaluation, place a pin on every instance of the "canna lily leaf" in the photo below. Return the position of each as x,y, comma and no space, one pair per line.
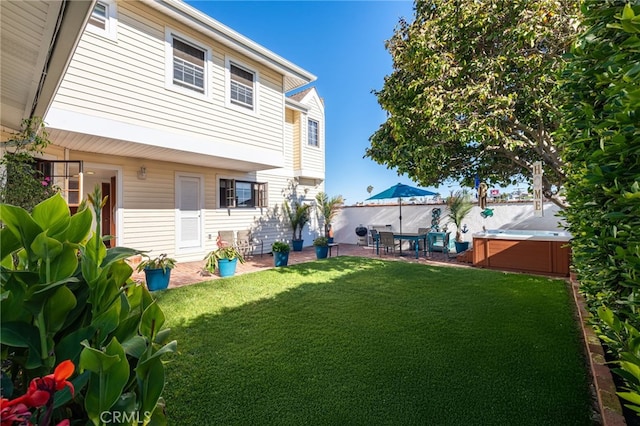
52,214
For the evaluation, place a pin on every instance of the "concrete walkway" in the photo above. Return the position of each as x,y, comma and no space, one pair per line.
186,273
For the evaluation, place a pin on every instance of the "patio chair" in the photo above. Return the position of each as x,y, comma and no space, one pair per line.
227,237
373,233
421,246
387,241
445,246
247,244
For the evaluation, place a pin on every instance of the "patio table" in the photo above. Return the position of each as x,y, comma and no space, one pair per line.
411,236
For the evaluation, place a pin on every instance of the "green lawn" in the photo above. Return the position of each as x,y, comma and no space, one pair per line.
354,341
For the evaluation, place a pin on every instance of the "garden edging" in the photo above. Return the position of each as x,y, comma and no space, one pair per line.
605,389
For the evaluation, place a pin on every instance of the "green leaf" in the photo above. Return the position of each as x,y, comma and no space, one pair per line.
22,335
110,373
150,378
107,321
45,247
9,242
52,214
20,223
70,346
152,321
57,307
135,346
79,227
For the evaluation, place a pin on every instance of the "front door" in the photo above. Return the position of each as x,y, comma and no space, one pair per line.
189,212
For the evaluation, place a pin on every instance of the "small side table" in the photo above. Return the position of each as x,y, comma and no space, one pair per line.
337,246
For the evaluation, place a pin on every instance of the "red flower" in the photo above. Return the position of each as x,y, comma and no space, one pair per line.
11,413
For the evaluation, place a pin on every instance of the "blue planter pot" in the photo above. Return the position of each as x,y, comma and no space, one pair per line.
227,267
297,245
281,258
461,246
157,279
322,252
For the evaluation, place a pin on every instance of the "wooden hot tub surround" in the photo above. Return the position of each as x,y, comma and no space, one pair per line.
538,252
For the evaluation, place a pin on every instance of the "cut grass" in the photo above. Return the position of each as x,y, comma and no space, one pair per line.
363,341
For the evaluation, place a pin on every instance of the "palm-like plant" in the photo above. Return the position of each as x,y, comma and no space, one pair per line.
298,215
459,207
328,209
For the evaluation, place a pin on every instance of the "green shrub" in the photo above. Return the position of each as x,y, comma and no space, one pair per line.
280,247
65,296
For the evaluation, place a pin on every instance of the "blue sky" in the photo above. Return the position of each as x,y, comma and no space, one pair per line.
342,43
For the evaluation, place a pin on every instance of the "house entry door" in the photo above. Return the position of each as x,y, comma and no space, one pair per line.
189,212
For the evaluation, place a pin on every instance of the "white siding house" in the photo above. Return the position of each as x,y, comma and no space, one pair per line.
190,127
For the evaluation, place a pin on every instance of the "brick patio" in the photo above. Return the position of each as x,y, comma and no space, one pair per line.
186,273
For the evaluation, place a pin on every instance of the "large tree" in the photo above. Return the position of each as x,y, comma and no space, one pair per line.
473,92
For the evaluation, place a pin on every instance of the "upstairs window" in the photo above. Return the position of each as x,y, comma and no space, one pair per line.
188,65
312,133
241,86
99,16
103,19
240,194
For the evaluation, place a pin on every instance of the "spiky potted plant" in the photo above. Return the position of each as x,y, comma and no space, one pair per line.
322,247
328,209
459,207
298,215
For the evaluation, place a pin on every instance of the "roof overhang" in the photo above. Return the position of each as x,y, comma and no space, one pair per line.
294,76
38,38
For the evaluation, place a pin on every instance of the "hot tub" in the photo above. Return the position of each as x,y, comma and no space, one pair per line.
538,252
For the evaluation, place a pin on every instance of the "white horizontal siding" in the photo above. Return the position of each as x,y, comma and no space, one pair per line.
125,81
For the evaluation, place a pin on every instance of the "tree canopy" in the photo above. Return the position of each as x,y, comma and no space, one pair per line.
473,92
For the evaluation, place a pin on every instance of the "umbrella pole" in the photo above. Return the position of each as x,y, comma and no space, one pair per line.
400,204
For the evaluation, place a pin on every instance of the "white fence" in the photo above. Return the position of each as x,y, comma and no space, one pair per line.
518,215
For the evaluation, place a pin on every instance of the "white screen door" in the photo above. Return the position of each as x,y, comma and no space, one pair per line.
189,212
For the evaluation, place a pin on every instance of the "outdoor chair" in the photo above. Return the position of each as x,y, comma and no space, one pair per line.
421,246
227,238
247,244
445,245
373,233
387,241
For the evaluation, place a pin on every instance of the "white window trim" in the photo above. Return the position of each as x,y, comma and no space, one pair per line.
196,249
227,87
111,24
168,63
317,145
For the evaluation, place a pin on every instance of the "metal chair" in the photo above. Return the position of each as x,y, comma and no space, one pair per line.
445,245
387,241
421,246
247,245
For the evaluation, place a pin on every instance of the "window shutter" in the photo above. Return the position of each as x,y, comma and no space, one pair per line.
230,193
188,53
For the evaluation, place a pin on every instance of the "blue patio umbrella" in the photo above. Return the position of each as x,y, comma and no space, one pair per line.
400,191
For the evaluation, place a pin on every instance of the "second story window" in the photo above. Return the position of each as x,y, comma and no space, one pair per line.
312,133
188,65
241,86
99,16
103,19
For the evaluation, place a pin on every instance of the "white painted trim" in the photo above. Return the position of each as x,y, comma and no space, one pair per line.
98,126
169,33
195,249
255,111
119,195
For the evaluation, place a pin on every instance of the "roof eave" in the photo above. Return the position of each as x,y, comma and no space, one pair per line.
294,76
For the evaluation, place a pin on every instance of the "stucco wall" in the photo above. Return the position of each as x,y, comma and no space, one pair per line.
505,215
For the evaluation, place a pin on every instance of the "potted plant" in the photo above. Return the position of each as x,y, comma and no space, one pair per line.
225,259
157,271
459,207
328,209
280,252
322,247
298,215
